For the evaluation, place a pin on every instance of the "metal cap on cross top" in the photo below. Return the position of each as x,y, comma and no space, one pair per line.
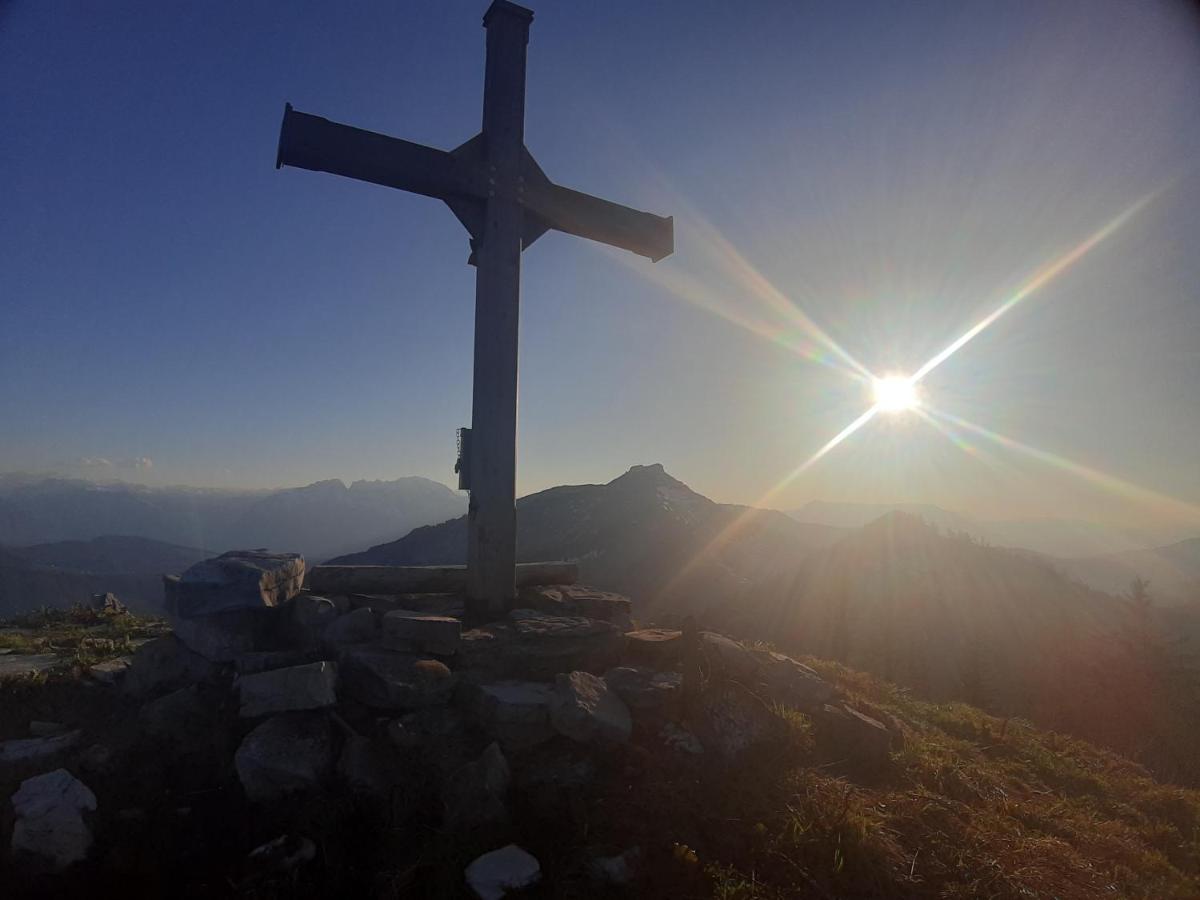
499,193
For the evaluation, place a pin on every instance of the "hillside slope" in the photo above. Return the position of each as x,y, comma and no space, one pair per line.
969,806
1173,571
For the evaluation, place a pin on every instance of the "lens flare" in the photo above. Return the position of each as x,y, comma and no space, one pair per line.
895,394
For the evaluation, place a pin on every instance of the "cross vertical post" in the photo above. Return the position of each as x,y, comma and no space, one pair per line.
491,515
502,197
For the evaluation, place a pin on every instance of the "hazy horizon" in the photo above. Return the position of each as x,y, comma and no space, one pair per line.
880,180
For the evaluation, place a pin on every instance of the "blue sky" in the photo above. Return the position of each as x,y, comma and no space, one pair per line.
895,170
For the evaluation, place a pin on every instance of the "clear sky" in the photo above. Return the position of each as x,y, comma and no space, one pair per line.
892,171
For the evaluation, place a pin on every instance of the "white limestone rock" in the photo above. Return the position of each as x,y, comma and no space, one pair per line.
49,823
494,874
240,579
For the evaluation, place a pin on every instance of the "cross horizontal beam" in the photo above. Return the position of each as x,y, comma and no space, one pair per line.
463,180
311,142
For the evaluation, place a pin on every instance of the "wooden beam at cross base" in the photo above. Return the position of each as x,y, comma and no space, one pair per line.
425,579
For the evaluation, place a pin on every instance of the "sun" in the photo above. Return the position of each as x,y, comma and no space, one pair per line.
895,394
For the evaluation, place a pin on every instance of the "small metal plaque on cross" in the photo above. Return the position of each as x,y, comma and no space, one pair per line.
505,201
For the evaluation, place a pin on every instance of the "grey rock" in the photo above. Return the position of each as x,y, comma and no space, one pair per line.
308,616
385,679
359,626
578,600
46,729
644,689
584,709
221,637
733,720
266,660
26,750
110,671
49,823
779,675
240,579
476,796
107,604
163,664
310,686
495,874
287,754
421,632
98,758
517,713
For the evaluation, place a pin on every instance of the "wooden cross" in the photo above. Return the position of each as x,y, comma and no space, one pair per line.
505,201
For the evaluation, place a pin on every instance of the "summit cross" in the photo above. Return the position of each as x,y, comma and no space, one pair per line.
505,201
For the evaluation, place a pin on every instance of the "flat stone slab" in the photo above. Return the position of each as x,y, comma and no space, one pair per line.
535,645
407,630
310,686
109,671
287,754
240,579
578,600
18,665
25,750
654,646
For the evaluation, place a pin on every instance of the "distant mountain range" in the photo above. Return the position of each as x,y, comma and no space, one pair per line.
1052,537
319,520
1100,556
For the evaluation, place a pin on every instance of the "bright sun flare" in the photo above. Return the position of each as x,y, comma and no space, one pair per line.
895,394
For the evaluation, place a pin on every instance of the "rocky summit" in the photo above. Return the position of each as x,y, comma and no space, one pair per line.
287,700
275,742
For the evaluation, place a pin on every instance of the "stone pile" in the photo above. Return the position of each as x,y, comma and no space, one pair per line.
395,700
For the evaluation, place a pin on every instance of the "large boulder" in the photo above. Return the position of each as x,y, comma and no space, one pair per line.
578,600
643,689
222,637
732,719
360,626
240,579
385,679
776,674
163,664
584,709
310,686
495,874
516,713
854,737
535,645
475,798
307,618
49,818
421,632
287,754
